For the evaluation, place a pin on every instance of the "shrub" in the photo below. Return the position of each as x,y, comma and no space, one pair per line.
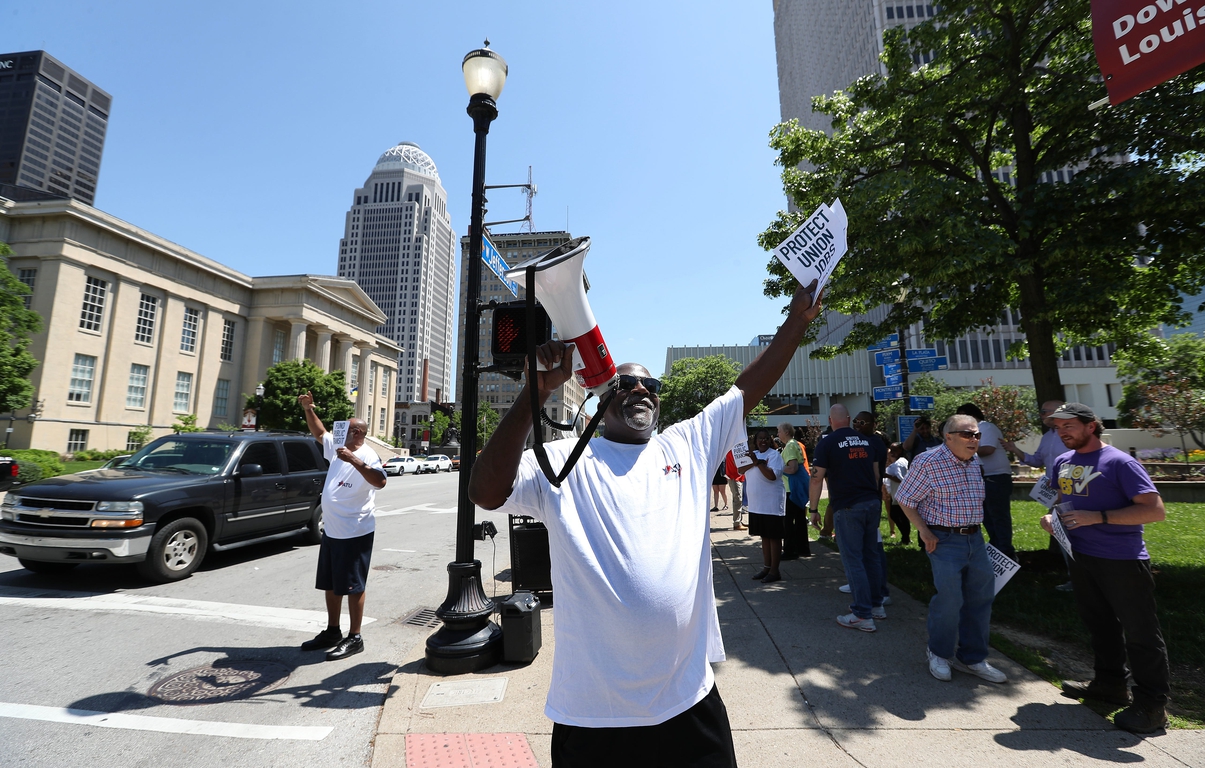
90,454
28,472
49,461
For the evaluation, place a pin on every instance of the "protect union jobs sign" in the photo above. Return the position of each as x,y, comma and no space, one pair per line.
1142,43
812,251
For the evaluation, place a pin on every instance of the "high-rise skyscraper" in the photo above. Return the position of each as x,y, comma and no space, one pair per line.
52,126
493,388
398,245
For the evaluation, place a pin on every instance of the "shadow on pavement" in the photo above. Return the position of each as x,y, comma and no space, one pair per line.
1036,735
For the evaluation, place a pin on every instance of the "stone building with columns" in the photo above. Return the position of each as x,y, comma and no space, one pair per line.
138,330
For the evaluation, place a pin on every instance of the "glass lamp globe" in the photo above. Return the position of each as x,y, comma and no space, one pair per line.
484,72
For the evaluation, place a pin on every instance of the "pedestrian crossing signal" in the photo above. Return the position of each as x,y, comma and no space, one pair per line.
508,342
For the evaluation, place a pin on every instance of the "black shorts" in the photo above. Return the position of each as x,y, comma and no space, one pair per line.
700,737
770,526
343,564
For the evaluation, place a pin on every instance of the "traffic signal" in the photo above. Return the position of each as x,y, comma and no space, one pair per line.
508,342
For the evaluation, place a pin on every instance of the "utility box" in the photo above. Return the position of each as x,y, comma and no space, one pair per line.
521,635
530,561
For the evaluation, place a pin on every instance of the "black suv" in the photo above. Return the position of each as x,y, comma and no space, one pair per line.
170,503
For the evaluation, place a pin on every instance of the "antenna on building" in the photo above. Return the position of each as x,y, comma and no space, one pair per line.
529,189
530,224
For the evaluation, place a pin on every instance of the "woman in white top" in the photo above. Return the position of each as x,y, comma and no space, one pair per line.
897,469
767,503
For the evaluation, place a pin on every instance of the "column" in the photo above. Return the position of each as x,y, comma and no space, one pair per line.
324,350
345,352
296,349
365,397
253,358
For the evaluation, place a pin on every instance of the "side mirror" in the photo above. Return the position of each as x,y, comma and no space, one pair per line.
250,470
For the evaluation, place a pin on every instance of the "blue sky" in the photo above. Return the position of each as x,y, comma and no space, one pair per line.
240,130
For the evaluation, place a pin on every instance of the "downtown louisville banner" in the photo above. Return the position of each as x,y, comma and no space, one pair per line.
1141,43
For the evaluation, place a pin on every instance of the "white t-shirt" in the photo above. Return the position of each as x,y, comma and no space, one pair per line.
347,499
629,535
896,472
766,497
997,463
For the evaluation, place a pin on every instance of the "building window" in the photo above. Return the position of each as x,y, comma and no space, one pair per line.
77,440
133,442
136,389
29,277
372,379
183,393
278,346
355,371
94,304
188,336
221,396
227,341
381,428
384,382
148,307
83,370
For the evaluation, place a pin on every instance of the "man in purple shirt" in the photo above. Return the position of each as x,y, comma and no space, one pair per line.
1110,497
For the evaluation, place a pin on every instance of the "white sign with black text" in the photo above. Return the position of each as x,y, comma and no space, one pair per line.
1044,493
1002,565
1056,524
340,433
740,455
813,250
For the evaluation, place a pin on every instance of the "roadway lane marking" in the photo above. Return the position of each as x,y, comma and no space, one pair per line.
399,550
163,724
415,508
201,610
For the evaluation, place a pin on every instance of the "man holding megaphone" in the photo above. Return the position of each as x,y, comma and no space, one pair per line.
628,529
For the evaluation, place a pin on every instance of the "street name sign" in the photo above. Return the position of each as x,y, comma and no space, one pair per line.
891,341
888,393
887,356
917,354
893,380
921,402
893,369
925,364
493,260
905,426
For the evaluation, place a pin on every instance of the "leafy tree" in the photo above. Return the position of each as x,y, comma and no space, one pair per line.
439,423
1011,409
918,156
946,400
186,422
692,383
139,436
17,325
286,380
1152,360
487,422
1173,406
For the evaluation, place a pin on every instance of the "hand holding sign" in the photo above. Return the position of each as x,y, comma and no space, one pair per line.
813,250
1056,527
339,433
740,455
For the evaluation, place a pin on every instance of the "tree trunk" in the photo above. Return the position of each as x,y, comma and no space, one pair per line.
1039,335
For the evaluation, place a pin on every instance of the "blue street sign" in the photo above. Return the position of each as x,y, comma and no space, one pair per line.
893,369
887,356
905,426
925,364
917,354
891,341
921,402
893,380
888,393
493,260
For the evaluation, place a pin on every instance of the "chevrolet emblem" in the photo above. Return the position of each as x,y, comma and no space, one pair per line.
45,513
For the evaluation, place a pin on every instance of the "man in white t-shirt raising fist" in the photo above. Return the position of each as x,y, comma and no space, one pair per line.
345,554
628,533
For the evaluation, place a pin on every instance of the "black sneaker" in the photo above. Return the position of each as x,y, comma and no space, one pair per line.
1092,689
327,638
348,646
1139,718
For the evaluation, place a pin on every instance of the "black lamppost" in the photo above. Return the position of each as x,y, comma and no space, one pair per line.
259,403
468,640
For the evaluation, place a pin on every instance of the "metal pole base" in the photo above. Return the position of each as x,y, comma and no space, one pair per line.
468,641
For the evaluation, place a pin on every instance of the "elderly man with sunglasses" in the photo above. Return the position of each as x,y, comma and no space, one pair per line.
942,495
636,625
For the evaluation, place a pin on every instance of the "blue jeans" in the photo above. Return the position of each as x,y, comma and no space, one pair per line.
961,612
857,531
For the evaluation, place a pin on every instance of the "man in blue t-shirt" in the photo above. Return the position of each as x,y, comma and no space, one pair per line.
850,462
1105,497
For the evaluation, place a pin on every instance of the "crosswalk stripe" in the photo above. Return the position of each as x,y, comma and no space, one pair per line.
163,724
201,610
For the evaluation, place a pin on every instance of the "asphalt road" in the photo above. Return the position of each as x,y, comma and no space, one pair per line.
99,639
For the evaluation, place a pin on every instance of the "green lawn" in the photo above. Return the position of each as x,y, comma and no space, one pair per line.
80,466
1030,602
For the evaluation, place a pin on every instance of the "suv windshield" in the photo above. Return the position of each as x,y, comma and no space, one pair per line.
194,457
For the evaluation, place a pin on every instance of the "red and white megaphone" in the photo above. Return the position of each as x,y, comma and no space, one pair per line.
561,288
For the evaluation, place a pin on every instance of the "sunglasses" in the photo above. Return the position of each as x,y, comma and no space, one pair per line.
862,422
968,434
628,382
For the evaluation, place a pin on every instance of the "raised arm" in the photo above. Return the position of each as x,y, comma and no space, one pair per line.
312,421
761,374
494,471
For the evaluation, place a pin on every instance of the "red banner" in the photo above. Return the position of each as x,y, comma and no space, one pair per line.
1141,43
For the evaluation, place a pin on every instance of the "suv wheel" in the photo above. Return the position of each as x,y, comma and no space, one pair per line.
313,534
48,568
176,551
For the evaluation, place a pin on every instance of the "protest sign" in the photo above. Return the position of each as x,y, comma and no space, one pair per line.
1002,565
1056,524
1044,493
1140,44
339,433
813,250
740,455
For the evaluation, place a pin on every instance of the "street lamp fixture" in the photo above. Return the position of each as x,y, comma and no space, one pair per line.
259,403
469,640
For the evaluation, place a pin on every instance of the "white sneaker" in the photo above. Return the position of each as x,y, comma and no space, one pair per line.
852,621
887,600
878,612
845,588
982,669
939,667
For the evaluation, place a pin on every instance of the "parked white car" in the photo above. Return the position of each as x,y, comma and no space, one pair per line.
436,463
401,465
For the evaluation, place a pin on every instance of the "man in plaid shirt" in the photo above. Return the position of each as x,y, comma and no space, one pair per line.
942,495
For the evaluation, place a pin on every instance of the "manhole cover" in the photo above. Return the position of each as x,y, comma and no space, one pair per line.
423,617
226,681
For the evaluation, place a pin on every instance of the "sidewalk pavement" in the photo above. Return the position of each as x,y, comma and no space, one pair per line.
798,687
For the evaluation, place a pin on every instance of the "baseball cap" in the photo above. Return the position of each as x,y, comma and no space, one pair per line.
1073,411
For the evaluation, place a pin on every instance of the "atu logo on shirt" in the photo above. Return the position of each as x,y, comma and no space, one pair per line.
1074,479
